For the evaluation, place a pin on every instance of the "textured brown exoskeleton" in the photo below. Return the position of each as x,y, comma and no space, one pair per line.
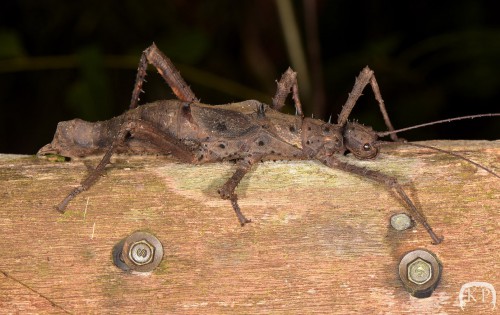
245,132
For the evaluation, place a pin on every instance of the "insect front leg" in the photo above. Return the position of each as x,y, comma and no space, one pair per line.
227,190
390,182
167,70
366,76
287,82
141,129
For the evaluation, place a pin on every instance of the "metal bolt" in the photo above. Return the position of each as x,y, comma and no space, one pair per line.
420,272
139,252
401,221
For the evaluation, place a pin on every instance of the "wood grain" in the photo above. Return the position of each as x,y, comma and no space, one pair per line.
320,241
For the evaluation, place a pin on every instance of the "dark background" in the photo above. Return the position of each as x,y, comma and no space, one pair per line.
433,59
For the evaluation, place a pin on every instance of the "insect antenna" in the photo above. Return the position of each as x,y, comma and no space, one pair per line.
386,133
378,143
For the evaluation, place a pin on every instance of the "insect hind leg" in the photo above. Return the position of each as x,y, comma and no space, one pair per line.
163,142
153,55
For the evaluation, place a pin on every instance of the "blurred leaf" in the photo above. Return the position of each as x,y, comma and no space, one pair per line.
89,95
187,46
10,44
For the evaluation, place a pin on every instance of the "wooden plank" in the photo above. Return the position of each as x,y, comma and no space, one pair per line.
320,241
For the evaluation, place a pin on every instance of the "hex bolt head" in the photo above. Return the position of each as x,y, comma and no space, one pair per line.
140,252
420,272
401,221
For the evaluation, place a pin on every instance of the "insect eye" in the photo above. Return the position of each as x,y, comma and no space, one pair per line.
367,147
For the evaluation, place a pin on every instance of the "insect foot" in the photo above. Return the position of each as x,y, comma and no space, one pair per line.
226,192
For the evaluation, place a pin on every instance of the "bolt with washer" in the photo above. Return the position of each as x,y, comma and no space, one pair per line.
139,252
420,272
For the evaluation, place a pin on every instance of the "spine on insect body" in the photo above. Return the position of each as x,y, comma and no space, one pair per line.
204,133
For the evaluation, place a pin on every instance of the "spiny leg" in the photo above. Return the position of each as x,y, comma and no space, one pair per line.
287,82
390,182
366,76
96,173
383,110
164,142
167,70
227,190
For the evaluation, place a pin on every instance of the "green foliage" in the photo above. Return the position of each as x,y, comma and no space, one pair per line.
10,44
88,95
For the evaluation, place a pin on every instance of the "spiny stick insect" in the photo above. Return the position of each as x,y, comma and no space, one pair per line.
245,132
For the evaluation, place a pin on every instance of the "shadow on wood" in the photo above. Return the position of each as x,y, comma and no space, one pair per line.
320,241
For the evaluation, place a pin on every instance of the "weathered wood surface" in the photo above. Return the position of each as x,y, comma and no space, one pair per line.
320,241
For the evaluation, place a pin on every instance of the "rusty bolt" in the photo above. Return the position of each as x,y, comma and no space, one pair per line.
401,221
139,252
420,272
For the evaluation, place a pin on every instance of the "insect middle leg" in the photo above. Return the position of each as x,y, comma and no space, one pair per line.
167,70
164,142
227,190
287,82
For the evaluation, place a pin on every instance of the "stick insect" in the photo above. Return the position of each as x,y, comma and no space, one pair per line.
246,133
